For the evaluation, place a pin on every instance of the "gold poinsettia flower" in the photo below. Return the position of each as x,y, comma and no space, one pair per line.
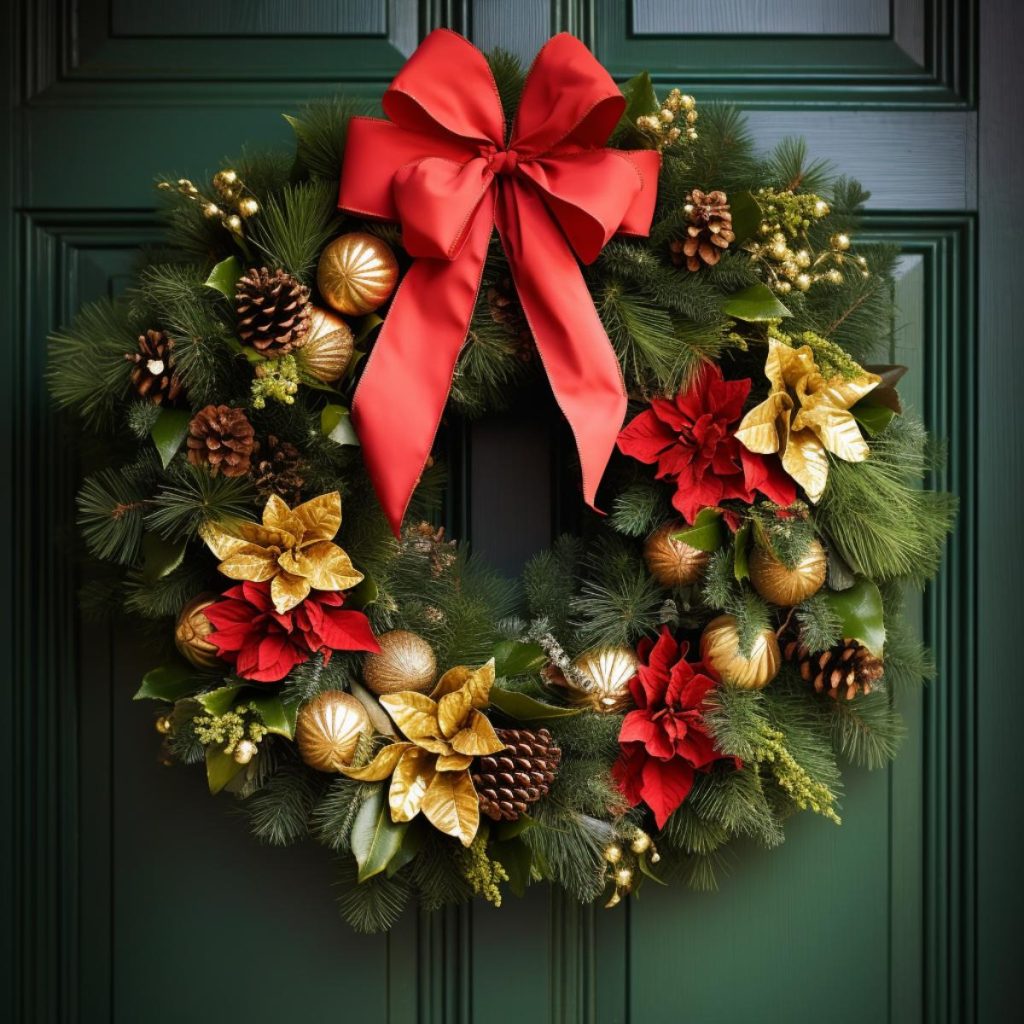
292,547
805,416
430,770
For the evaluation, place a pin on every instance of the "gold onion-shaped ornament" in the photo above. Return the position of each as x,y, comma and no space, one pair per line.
357,273
328,728
673,563
405,662
607,671
782,585
192,630
720,651
328,348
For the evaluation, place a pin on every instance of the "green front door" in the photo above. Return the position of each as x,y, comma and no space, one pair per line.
136,898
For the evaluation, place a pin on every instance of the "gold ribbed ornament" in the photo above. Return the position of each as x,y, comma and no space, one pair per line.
720,650
608,671
192,630
405,662
357,273
671,562
328,728
782,585
328,347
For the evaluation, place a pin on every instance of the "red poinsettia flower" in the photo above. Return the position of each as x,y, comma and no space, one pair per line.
264,645
665,741
691,439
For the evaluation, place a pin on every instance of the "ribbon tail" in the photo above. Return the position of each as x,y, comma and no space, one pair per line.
402,393
577,354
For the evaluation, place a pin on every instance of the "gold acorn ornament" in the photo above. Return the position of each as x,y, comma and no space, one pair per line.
720,651
405,662
673,563
357,273
784,585
327,730
605,672
328,347
192,631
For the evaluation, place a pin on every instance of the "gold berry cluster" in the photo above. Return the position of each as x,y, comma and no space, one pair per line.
231,202
624,858
677,116
782,245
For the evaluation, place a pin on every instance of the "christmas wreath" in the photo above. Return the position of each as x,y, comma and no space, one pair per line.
690,668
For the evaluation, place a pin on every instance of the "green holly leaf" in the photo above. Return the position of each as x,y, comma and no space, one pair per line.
278,717
755,304
168,433
527,709
336,424
221,768
859,609
512,658
641,99
375,838
219,701
169,683
707,532
746,216
224,277
160,557
741,553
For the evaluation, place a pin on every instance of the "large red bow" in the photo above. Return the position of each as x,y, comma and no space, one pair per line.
441,168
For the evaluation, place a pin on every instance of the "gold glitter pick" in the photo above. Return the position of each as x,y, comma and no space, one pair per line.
805,416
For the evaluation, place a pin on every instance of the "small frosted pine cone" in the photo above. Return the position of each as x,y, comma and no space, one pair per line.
509,781
709,232
273,311
277,469
221,438
153,375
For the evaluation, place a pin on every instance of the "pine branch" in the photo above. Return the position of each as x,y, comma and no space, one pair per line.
196,497
279,812
111,510
321,129
295,224
370,906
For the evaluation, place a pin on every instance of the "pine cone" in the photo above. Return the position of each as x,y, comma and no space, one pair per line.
509,781
848,667
273,311
222,438
710,230
505,308
153,376
276,469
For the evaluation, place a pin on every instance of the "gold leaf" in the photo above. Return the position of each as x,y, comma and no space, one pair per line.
453,762
435,745
478,738
452,711
276,512
320,517
758,431
331,568
451,681
409,781
479,684
381,766
451,805
220,541
287,591
414,713
806,462
249,562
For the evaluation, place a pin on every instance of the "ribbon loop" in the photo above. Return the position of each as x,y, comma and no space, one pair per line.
435,168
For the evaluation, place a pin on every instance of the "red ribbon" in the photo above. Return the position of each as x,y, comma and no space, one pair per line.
440,168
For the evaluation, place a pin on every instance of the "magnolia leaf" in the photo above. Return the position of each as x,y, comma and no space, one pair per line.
525,708
478,684
517,860
224,277
250,353
168,433
221,768
375,837
452,806
754,304
412,843
169,683
160,557
707,532
378,719
741,553
365,326
454,679
478,738
510,829
512,658
278,717
219,701
641,99
413,773
414,713
840,575
381,766
336,425
885,393
453,711
453,762
872,415
859,609
746,216
363,594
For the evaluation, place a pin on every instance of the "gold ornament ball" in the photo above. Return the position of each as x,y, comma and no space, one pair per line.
328,728
624,878
163,724
357,273
327,350
192,631
720,650
608,670
673,563
245,751
405,662
641,844
613,853
781,585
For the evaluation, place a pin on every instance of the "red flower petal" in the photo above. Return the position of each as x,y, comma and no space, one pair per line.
765,474
644,437
664,785
349,631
